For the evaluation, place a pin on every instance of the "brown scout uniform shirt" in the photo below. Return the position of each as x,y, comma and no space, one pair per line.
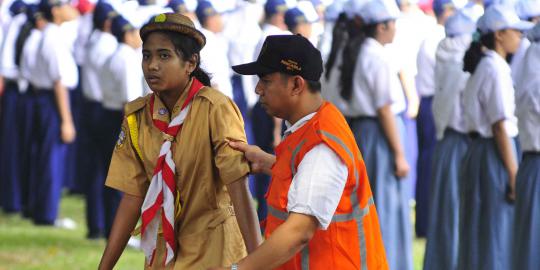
207,231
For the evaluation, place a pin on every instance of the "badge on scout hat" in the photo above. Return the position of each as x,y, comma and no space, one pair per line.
173,22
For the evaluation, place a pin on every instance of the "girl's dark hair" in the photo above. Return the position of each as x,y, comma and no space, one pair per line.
351,33
186,47
475,52
24,33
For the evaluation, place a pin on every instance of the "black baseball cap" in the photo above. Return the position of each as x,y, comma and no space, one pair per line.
290,54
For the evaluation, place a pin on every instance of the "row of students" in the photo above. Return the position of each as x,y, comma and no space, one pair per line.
475,224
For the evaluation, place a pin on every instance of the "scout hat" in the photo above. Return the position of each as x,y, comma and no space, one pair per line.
173,22
294,17
103,11
178,6
289,54
272,7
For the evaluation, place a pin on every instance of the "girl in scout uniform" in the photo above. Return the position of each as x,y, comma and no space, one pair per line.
173,163
491,162
372,99
527,236
450,80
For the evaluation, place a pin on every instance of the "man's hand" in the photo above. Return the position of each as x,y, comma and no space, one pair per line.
260,161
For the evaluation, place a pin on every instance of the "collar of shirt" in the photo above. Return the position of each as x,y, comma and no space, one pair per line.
499,61
162,113
300,123
373,44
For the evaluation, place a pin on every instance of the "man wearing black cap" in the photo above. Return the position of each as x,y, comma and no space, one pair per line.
321,213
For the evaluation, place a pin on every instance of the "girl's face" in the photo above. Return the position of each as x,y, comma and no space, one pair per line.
163,67
386,32
509,40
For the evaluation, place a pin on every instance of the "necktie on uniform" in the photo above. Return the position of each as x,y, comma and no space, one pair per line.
162,190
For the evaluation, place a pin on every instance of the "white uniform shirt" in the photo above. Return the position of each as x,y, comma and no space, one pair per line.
214,60
54,61
376,82
100,48
318,184
489,97
29,54
528,101
8,68
518,58
242,31
83,36
425,62
450,81
122,78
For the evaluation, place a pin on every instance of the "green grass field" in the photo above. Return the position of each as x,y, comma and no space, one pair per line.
24,246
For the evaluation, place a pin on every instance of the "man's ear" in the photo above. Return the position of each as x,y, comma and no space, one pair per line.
299,85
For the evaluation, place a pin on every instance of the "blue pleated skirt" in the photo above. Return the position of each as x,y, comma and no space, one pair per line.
486,218
390,193
10,190
526,247
442,234
425,125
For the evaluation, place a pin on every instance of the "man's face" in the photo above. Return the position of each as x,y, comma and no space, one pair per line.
274,94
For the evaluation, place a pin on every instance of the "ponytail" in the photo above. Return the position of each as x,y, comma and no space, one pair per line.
339,36
201,75
476,51
358,32
24,33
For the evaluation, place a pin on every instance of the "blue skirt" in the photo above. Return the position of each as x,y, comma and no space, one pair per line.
426,147
486,218
442,234
25,110
10,191
526,247
49,171
390,193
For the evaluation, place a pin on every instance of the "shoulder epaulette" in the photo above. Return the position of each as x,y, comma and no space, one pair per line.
136,105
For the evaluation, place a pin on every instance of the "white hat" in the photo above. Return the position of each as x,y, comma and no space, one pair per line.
376,11
309,11
526,9
500,17
352,7
333,10
534,34
460,24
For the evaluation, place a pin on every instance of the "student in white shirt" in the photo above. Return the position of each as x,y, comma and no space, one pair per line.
54,75
527,10
215,53
26,105
10,193
491,162
122,81
425,127
527,236
450,79
370,86
91,169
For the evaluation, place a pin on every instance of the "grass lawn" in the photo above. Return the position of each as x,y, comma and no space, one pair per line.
24,246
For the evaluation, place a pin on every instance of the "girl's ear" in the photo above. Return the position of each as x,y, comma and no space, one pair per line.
192,62
499,35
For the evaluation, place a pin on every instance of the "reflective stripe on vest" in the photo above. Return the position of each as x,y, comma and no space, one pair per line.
358,214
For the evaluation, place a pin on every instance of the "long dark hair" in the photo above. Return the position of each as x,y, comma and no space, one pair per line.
352,33
475,52
186,47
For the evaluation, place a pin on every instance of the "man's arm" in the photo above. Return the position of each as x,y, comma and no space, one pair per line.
287,240
245,213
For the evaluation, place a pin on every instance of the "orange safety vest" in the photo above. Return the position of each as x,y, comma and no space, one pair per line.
353,239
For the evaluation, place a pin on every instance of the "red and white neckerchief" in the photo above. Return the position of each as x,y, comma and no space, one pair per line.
162,190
